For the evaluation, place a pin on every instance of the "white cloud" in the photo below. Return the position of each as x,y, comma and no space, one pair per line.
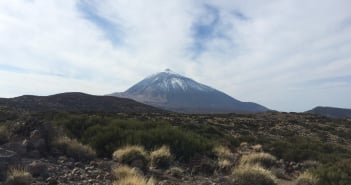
269,50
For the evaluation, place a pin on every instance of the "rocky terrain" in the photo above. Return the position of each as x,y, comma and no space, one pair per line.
298,142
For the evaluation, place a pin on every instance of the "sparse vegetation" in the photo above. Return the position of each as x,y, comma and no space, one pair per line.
307,179
18,176
161,157
73,148
249,175
304,142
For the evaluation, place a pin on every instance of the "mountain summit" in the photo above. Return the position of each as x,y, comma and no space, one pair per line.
171,91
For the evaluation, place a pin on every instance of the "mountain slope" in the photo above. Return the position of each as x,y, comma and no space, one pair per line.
76,102
331,112
171,91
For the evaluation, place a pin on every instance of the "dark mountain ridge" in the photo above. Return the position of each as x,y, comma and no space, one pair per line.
331,112
76,102
174,92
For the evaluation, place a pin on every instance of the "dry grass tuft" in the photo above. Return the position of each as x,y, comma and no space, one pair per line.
224,163
265,159
225,157
222,152
128,154
73,148
18,176
257,148
124,171
249,175
134,180
161,158
307,179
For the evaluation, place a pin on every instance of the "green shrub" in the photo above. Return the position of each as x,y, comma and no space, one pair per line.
249,175
161,157
105,138
338,173
307,179
300,149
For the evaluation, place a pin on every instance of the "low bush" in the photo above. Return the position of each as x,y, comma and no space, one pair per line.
184,144
249,175
18,176
161,157
338,173
73,148
129,154
307,179
265,159
300,149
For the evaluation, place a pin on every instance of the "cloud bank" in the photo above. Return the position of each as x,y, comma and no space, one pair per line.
288,55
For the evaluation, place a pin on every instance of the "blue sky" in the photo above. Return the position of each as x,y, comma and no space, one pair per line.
288,55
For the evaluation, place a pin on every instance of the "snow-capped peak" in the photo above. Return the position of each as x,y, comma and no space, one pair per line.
170,81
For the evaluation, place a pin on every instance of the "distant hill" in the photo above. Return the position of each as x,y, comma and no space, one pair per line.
171,91
331,112
77,102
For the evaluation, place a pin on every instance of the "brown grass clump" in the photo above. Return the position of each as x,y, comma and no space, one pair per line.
124,171
129,154
73,148
222,152
225,158
307,179
18,176
249,175
161,158
134,180
224,163
265,159
257,148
